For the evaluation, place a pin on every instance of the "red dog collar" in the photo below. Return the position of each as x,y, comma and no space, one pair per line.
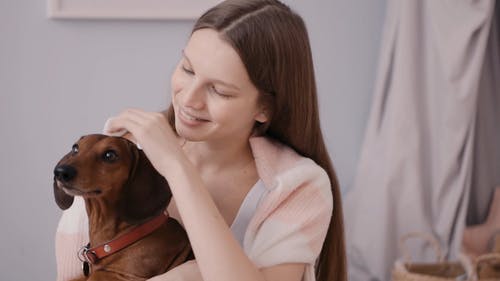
93,255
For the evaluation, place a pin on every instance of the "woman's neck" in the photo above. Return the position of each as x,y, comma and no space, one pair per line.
217,156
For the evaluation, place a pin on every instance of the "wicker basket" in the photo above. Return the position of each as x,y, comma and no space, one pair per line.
439,271
487,267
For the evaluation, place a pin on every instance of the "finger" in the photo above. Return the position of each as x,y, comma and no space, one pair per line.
130,137
145,116
137,114
113,130
121,125
118,133
147,120
112,125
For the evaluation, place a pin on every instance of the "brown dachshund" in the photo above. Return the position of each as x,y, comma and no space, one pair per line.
125,198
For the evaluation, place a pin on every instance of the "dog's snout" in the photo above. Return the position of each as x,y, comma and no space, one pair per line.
64,173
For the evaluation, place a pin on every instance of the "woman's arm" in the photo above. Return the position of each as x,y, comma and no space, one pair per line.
189,271
218,254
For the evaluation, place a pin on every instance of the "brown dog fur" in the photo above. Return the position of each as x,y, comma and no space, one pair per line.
121,189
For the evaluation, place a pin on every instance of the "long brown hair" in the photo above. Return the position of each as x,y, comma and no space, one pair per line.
273,44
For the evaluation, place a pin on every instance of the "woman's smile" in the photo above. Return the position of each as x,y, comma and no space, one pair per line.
190,119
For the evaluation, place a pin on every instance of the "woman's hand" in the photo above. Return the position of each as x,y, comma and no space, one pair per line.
152,132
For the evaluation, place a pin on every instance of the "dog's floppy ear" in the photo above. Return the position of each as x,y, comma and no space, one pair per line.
146,193
63,200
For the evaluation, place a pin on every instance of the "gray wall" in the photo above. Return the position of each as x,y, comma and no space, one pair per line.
60,79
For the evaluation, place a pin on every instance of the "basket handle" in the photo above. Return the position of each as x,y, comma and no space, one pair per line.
486,258
427,237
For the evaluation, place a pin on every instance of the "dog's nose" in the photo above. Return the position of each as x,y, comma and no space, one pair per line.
64,173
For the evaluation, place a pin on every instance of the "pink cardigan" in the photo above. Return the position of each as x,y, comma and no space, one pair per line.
289,225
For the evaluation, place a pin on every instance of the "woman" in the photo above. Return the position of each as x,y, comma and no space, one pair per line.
243,127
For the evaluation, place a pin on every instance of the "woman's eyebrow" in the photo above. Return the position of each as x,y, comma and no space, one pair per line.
229,85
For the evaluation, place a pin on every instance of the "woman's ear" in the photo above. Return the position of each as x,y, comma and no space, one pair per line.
261,116
261,124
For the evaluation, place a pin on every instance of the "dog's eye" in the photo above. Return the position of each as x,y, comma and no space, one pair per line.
110,156
74,149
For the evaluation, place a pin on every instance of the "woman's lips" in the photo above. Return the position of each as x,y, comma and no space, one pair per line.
190,119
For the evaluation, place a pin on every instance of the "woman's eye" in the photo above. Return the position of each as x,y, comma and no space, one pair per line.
187,70
75,149
217,92
110,156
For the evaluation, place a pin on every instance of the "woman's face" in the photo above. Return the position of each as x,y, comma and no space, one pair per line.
212,95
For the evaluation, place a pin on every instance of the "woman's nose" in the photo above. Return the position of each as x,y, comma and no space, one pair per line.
194,96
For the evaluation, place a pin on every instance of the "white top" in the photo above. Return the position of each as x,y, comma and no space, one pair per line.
247,210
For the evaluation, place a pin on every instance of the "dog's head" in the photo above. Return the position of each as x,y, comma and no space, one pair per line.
114,170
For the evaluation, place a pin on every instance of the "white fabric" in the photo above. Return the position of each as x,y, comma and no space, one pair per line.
79,221
486,168
247,210
417,160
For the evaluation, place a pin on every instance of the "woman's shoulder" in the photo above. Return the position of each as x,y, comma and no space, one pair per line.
277,162
294,212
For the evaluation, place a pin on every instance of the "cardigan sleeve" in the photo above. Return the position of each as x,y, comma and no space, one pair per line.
71,235
292,220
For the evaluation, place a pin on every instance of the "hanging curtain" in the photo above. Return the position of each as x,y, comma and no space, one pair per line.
435,116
